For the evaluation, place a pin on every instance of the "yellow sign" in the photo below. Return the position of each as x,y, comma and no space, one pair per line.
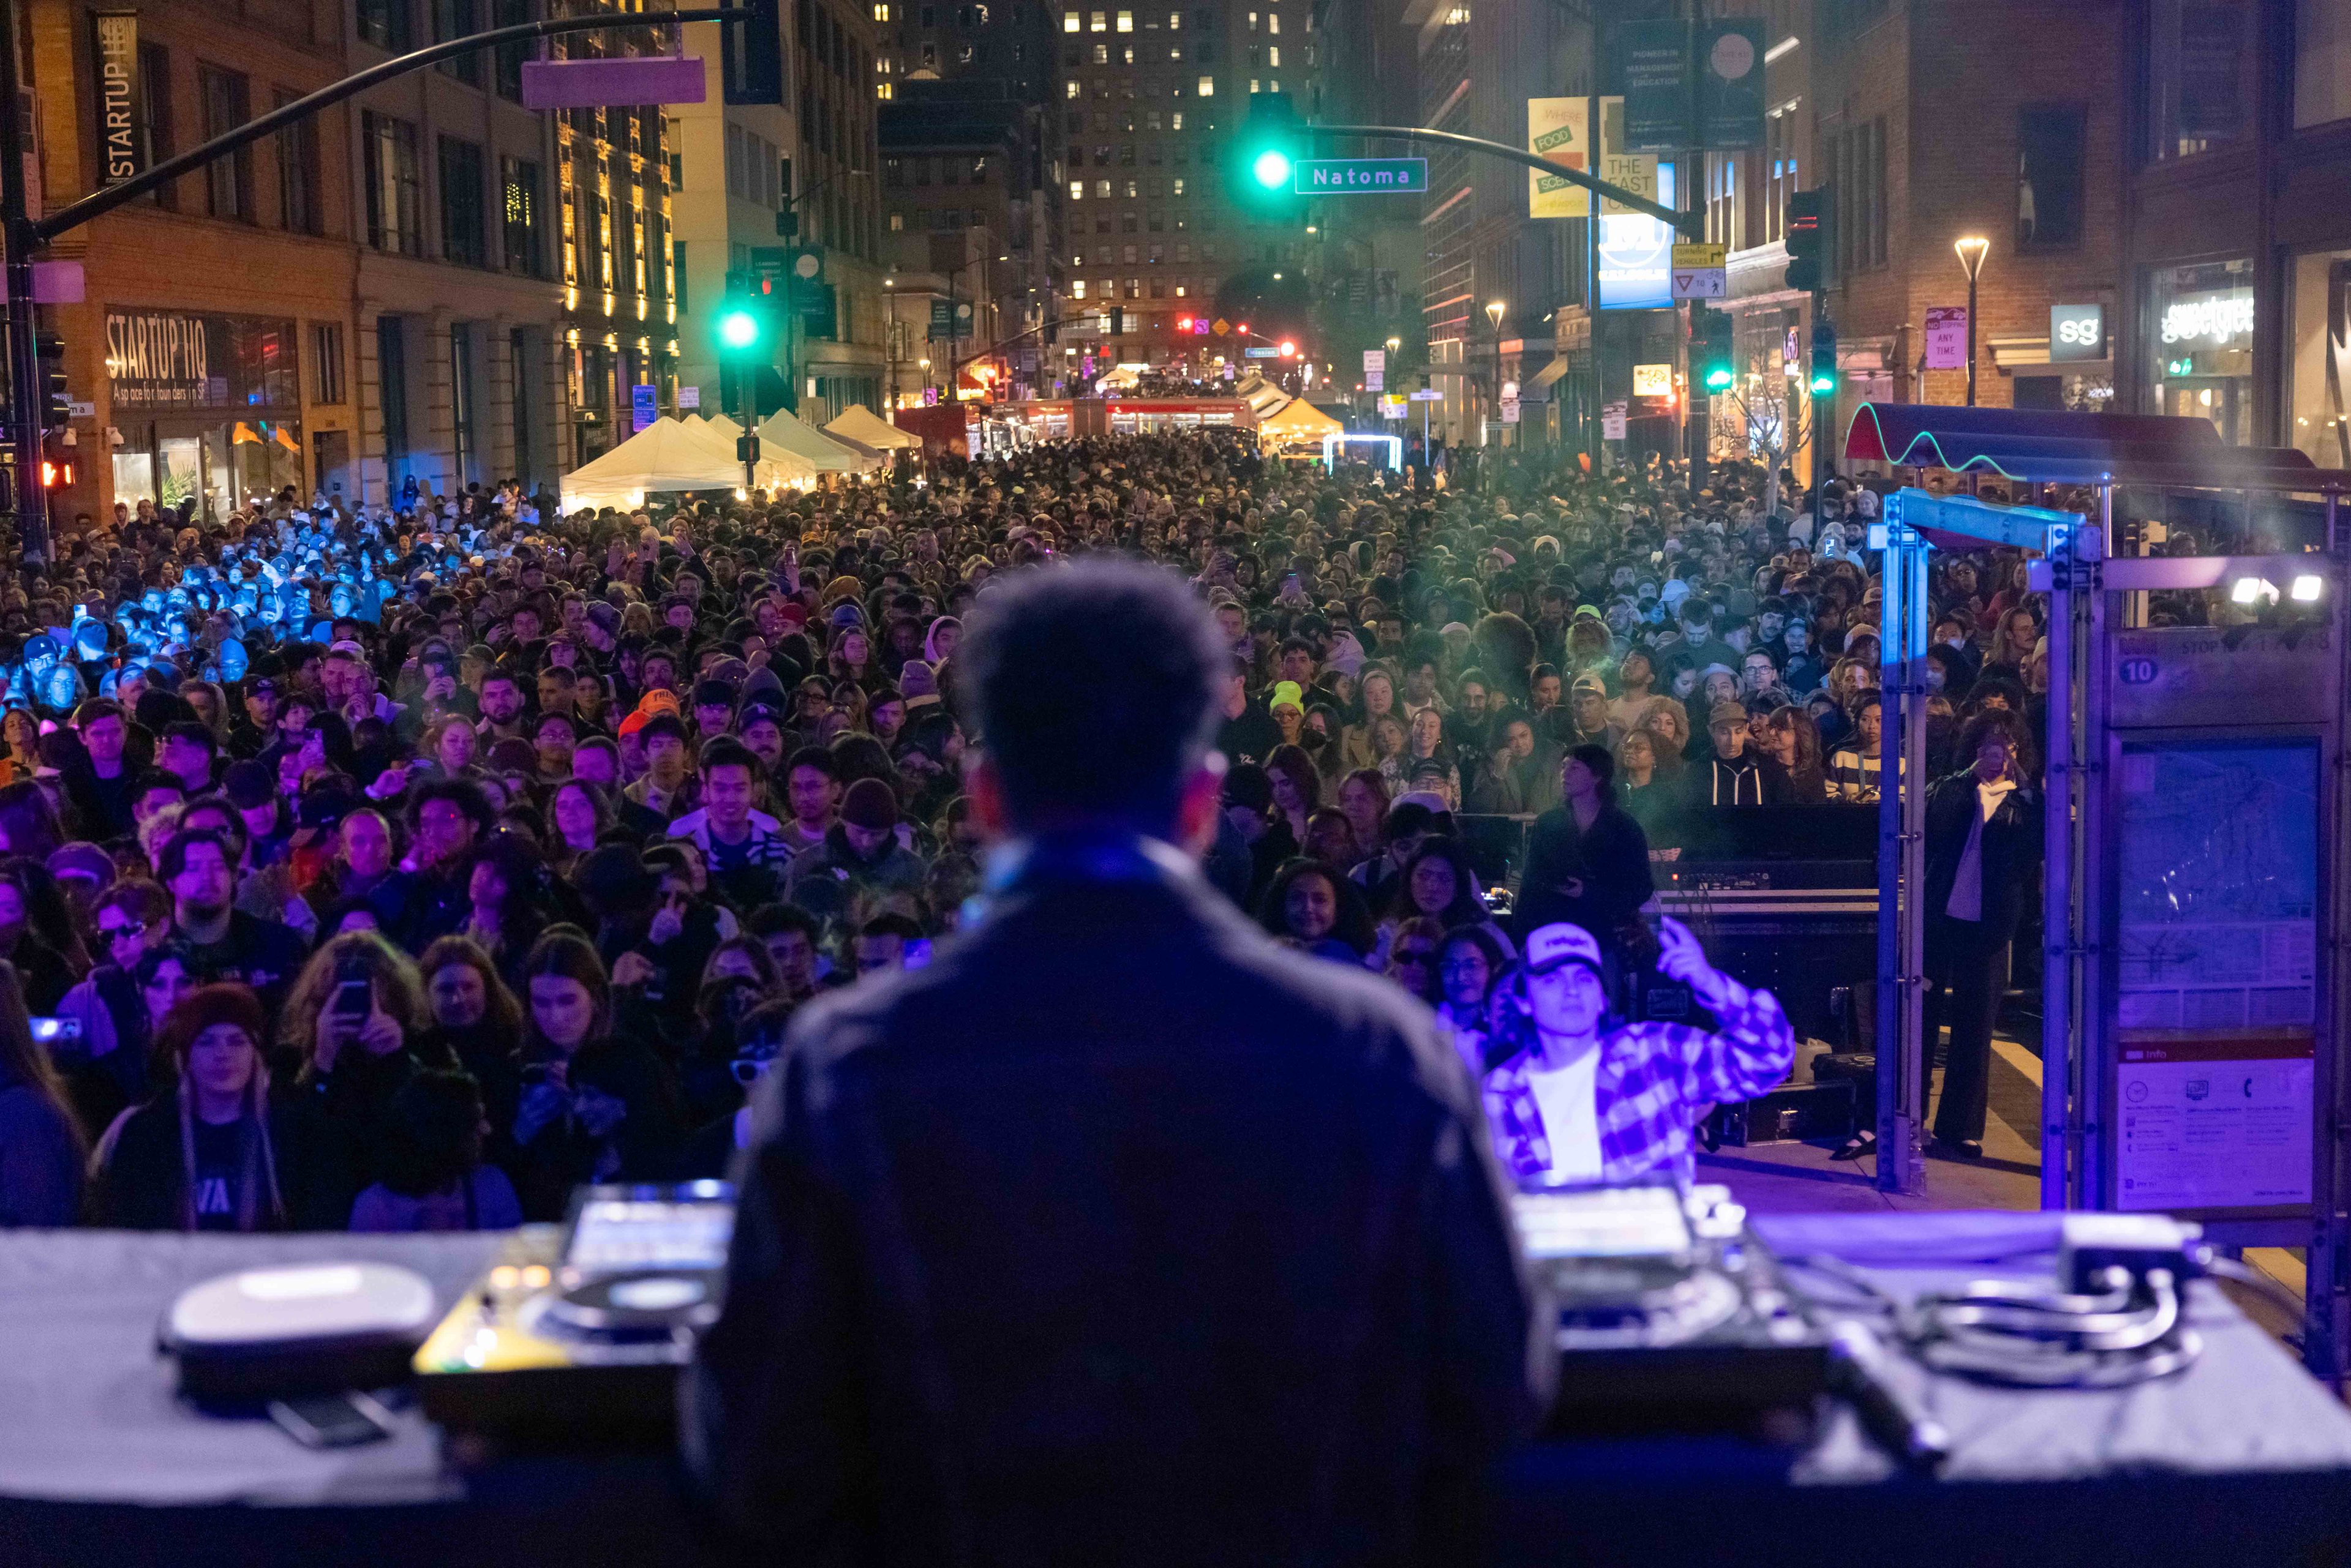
1653,381
1221,327
1700,257
1633,172
1560,130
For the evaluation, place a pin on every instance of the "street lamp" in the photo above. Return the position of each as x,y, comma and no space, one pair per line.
1972,250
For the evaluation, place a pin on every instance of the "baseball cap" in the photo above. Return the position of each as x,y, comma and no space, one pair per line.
82,859
1550,947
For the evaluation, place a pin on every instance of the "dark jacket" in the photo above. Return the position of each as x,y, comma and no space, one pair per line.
2011,849
823,881
143,1183
1611,859
40,1160
1716,781
1115,1213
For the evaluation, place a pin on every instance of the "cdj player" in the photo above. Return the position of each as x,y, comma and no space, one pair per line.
578,1330
1671,1316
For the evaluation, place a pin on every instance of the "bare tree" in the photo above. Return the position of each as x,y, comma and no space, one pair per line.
1770,419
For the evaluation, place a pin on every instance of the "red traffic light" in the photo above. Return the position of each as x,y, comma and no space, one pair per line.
1183,323
1289,350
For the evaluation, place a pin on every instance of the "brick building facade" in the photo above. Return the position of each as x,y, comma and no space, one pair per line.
211,350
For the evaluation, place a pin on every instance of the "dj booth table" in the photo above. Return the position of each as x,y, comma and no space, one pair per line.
2241,1457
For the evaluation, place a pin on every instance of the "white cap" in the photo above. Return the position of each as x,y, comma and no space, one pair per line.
1560,943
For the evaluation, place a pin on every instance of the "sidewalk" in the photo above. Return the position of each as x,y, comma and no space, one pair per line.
1799,1178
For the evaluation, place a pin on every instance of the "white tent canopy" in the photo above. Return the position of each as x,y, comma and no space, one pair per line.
799,442
666,455
861,423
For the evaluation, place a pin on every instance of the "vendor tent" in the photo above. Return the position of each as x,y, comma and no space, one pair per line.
1298,422
862,425
786,435
666,455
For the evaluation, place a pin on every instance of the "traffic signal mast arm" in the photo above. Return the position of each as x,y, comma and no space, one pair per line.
1692,224
977,354
99,203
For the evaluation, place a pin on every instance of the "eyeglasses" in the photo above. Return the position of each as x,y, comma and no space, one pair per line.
123,931
1414,955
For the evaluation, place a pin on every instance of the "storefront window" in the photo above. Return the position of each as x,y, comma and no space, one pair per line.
2199,324
2318,357
2199,76
2322,61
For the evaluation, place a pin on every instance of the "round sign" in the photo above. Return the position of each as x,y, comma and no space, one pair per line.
1733,55
807,264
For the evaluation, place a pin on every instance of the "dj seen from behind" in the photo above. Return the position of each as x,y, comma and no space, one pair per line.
1120,1233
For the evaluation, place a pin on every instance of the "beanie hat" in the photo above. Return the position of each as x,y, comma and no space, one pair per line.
870,804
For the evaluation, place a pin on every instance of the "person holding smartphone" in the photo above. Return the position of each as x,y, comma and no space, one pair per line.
349,1021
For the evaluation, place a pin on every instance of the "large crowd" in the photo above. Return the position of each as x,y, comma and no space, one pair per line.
403,868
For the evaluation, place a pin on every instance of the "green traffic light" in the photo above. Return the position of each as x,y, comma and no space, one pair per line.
738,329
1823,386
1718,379
1271,168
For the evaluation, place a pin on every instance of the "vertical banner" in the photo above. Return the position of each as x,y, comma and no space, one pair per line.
121,113
1628,170
1654,57
1558,129
1730,85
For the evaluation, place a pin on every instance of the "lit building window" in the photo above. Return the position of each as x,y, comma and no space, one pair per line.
1208,87
1126,21
1077,190
1077,289
1070,21
1100,20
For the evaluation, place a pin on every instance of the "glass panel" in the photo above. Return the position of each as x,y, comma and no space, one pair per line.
2322,61
2318,357
183,470
2199,76
2200,349
134,476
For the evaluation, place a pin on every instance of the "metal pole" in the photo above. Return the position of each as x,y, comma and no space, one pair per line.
2086,1180
24,357
1894,1155
1971,335
2058,940
1914,1060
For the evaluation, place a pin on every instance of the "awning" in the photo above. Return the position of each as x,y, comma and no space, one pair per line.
1543,378
2077,448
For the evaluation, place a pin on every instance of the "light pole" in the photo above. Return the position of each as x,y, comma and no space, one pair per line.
1494,312
890,337
1971,251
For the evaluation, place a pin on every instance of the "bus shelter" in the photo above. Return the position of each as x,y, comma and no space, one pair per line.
2196,911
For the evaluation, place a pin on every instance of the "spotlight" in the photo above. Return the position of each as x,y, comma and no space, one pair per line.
2306,588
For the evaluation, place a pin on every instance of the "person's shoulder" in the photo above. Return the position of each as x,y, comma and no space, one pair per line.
27,1115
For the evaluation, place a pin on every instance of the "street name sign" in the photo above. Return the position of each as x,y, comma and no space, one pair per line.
1359,176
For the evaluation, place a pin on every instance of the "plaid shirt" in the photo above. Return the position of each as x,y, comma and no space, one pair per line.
1655,1082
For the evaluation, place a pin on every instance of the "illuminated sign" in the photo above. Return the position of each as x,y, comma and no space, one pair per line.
2218,317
